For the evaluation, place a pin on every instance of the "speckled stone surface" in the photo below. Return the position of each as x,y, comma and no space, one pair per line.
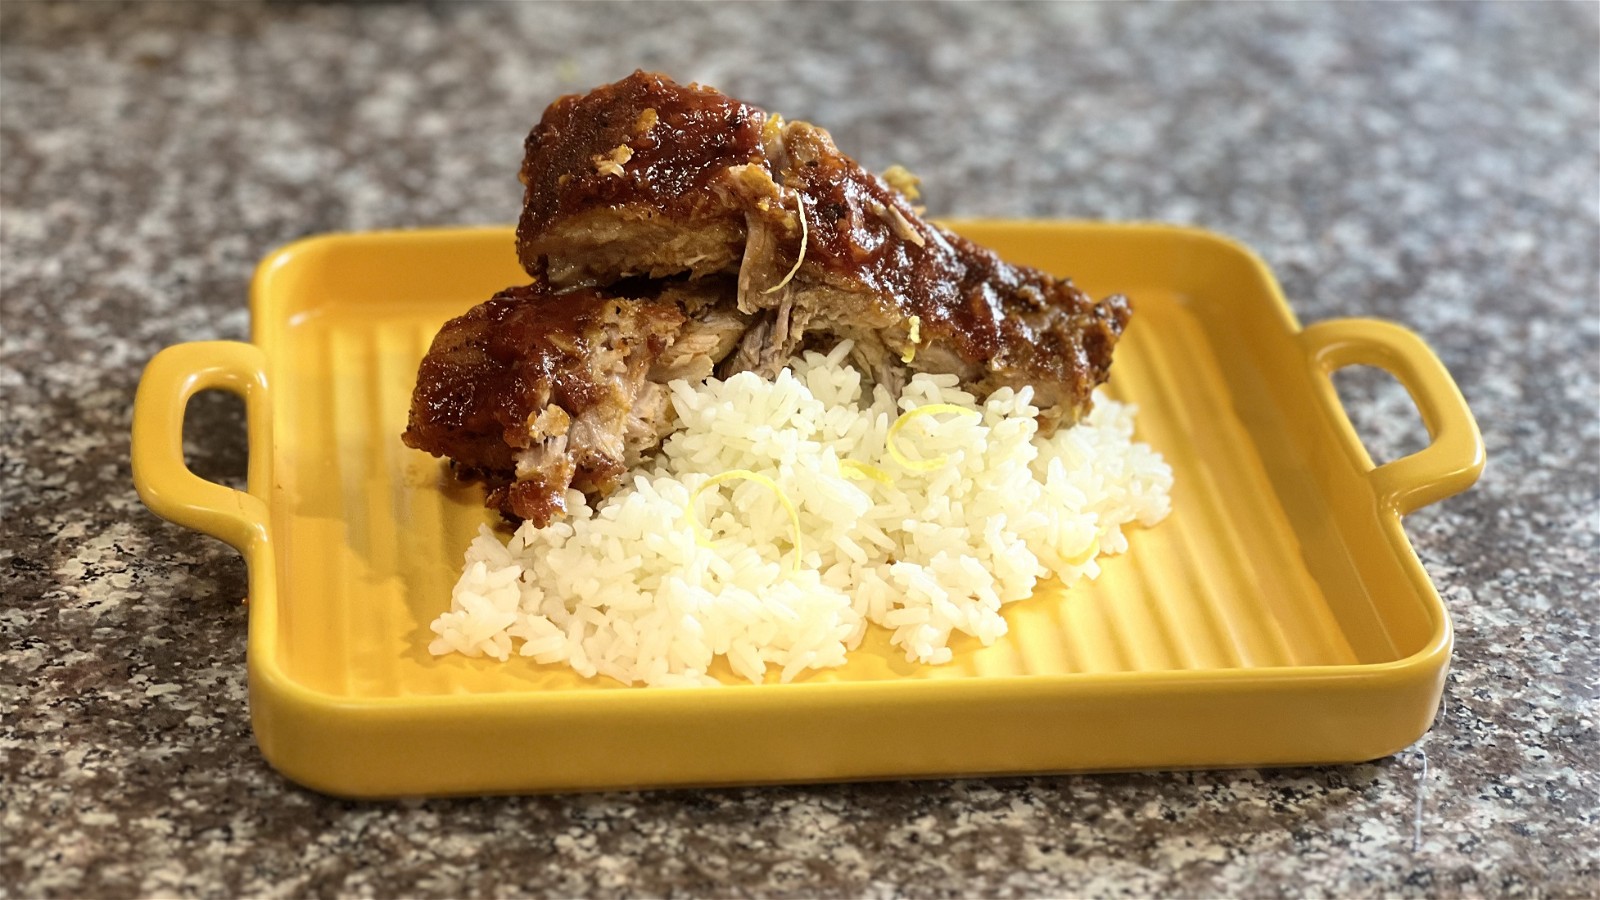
1436,165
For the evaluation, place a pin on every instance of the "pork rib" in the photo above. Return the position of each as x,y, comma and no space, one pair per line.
534,392
672,231
646,177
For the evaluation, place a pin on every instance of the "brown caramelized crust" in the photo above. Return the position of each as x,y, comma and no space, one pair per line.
535,393
876,262
673,231
637,159
648,177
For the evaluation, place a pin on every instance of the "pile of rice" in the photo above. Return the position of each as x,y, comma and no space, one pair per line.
926,531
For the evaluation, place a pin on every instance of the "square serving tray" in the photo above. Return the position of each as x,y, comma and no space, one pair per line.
1279,615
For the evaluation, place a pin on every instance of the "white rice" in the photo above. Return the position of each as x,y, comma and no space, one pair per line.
626,590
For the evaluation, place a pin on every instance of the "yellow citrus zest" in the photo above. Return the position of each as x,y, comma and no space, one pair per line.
914,335
703,538
800,207
932,409
854,469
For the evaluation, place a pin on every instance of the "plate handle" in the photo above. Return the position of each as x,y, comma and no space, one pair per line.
163,479
1454,458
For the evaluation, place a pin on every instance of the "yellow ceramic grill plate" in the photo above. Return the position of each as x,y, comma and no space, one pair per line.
1279,616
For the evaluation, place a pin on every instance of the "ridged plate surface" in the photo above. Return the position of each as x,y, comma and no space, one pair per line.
1277,616
1222,583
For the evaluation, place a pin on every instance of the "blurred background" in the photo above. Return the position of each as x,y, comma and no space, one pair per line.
1434,164
1310,131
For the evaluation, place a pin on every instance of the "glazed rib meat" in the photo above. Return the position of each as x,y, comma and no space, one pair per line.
535,392
672,232
646,177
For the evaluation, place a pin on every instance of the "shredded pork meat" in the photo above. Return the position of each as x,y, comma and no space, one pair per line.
672,232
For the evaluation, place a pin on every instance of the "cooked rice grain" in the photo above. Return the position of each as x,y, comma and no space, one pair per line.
627,591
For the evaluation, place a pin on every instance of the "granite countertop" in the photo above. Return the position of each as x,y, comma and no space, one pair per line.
1431,164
